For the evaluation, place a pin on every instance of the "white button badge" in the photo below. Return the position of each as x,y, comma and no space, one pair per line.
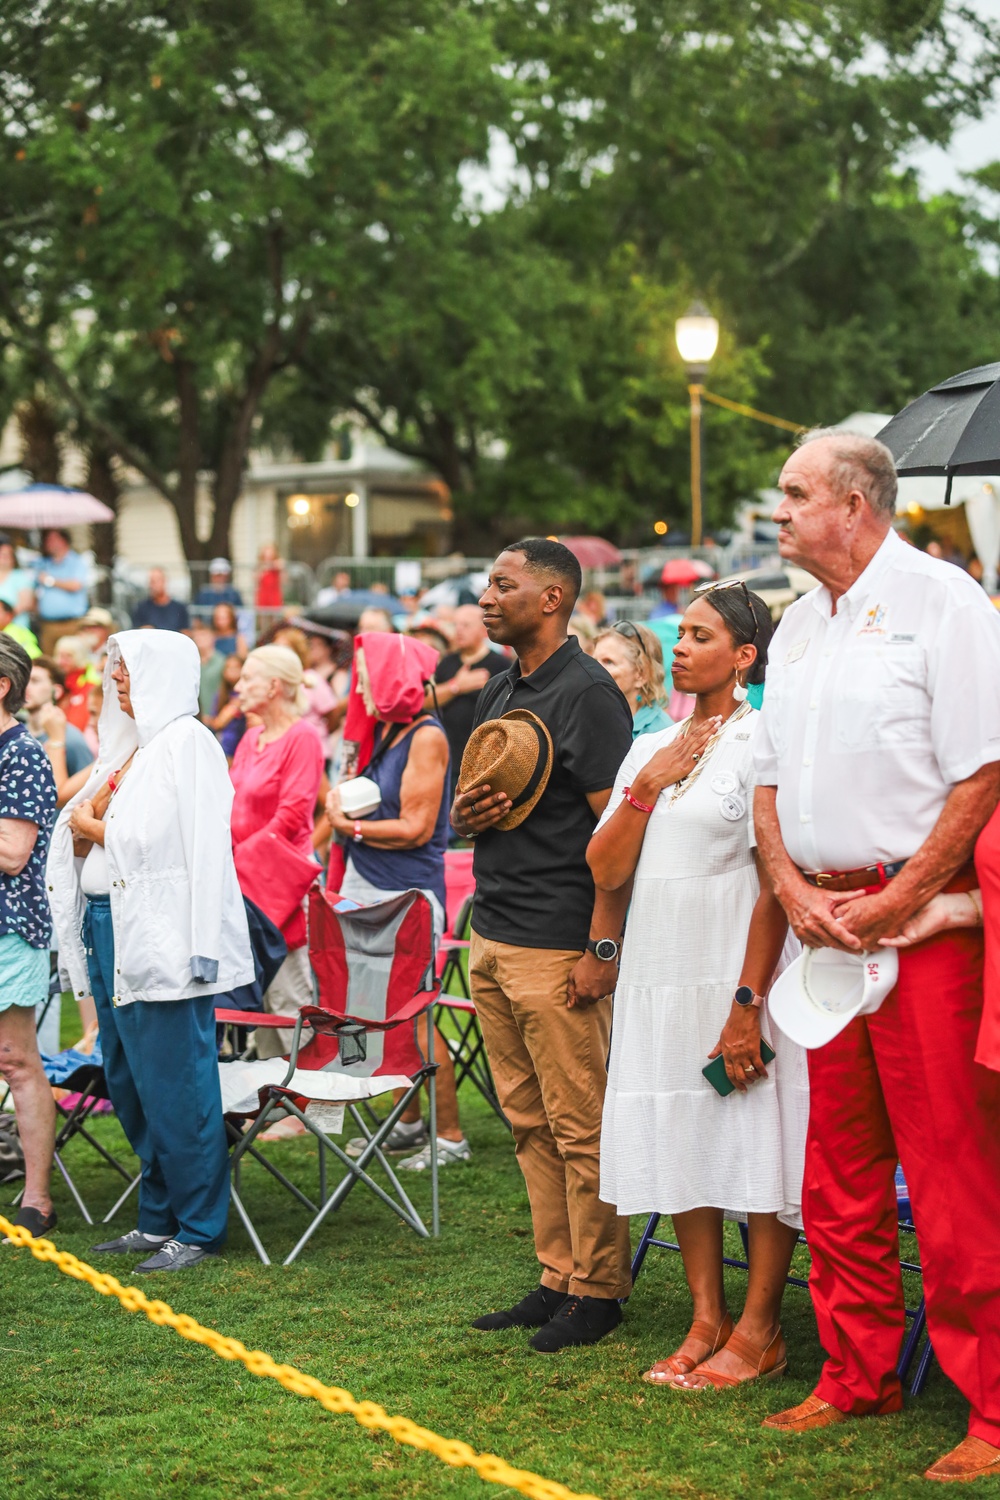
732,808
723,782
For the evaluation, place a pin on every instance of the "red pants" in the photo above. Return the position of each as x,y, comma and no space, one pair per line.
903,1082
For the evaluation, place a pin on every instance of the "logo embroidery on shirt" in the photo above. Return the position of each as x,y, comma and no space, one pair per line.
874,621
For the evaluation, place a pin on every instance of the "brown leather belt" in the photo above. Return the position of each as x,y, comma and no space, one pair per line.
854,880
878,876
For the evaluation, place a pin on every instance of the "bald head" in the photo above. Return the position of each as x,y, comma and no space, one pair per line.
470,632
855,462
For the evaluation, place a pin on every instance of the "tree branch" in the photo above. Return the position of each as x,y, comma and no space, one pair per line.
26,338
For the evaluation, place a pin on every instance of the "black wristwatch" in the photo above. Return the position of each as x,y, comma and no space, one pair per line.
745,996
606,949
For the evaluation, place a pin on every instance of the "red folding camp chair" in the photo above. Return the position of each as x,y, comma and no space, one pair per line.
375,977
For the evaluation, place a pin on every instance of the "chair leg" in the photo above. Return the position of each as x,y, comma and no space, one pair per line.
356,1173
248,1226
128,1191
72,1187
642,1249
432,1095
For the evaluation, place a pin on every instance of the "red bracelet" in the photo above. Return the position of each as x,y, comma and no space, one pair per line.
627,794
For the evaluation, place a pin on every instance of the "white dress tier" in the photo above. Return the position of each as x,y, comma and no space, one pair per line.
669,1142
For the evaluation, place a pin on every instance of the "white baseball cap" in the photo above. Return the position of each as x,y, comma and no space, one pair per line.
824,989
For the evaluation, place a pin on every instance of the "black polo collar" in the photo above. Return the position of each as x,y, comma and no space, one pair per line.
542,676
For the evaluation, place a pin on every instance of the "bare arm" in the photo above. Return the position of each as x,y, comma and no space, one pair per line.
946,849
591,978
420,793
17,840
740,1039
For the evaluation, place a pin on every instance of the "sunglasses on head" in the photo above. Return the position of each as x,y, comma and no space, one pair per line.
733,583
630,632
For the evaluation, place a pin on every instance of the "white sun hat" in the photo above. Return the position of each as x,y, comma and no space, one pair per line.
824,989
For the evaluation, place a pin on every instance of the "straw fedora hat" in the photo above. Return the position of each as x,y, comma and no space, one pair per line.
512,754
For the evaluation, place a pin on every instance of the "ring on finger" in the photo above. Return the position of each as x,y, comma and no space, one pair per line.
695,755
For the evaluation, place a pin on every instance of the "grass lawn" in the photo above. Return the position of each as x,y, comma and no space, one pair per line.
97,1402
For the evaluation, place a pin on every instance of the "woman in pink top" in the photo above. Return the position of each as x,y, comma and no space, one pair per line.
276,774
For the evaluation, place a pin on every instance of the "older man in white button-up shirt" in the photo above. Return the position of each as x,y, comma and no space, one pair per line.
877,764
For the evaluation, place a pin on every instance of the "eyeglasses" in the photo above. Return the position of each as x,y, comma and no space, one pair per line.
630,632
734,583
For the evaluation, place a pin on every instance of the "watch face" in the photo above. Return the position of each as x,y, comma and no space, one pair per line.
744,995
606,950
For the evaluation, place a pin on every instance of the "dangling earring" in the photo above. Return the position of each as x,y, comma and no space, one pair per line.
739,691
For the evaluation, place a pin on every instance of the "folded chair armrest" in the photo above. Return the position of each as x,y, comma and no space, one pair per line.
324,1022
457,1002
253,1018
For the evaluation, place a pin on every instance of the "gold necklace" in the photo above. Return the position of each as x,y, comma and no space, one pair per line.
692,776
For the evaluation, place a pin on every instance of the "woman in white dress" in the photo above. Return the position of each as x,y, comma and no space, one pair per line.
704,926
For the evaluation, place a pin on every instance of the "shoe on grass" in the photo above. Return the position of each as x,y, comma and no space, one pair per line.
134,1243
400,1138
580,1320
449,1152
173,1256
531,1312
35,1222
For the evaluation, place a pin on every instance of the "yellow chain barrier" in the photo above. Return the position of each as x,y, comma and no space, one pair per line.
459,1455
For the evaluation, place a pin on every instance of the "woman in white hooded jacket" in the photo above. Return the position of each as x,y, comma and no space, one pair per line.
150,920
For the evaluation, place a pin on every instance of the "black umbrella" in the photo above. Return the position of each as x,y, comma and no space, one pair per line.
954,428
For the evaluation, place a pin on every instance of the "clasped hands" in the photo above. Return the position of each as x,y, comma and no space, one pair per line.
861,921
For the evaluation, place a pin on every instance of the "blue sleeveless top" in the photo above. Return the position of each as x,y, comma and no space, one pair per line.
402,869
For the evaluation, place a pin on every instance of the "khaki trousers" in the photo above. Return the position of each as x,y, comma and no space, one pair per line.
550,1069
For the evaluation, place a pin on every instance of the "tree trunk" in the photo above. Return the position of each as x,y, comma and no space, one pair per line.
40,450
102,483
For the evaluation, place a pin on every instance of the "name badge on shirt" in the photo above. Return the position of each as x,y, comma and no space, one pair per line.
902,637
796,653
732,807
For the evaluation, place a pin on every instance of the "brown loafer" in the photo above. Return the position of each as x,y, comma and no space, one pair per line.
973,1458
810,1413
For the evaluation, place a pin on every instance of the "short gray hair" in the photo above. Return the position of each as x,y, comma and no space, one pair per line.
859,463
15,665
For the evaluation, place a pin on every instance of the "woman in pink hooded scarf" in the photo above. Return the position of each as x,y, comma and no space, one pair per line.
400,846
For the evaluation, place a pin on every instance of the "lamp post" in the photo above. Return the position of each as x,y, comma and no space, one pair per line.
697,336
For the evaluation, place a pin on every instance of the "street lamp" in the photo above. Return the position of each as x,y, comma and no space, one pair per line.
697,335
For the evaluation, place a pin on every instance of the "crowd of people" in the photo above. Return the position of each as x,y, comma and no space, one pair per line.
727,889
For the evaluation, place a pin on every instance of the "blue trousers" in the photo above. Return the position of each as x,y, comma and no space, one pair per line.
163,1078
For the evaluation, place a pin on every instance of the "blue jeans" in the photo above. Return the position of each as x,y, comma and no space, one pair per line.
163,1078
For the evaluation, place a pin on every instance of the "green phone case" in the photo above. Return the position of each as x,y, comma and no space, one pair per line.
719,1078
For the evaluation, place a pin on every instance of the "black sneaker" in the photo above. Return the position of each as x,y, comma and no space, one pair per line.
580,1320
531,1312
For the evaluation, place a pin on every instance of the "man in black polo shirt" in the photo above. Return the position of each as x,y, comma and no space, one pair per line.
542,994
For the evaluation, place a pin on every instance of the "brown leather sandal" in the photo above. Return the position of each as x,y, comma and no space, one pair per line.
770,1362
666,1371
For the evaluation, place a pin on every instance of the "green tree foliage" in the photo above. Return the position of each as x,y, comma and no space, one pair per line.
228,221
195,186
